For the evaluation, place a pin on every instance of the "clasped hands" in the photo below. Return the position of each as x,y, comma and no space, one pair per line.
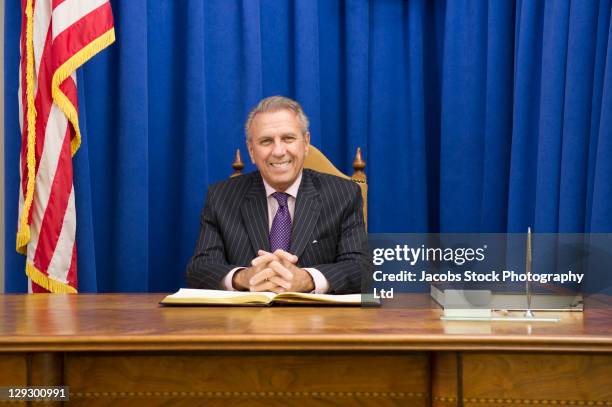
276,272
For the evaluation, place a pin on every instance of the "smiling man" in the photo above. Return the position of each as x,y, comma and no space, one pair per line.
283,227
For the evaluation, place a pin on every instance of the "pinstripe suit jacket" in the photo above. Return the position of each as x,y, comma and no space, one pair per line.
328,230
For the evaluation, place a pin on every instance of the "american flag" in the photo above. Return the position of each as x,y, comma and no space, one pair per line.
57,36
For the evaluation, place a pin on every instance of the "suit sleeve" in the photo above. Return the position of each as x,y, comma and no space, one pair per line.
352,255
208,266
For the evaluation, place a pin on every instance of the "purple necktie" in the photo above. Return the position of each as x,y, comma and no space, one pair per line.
280,233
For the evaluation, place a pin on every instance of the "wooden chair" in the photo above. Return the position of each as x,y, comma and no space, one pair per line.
317,161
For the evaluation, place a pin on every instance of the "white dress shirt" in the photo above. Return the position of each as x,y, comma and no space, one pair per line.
320,282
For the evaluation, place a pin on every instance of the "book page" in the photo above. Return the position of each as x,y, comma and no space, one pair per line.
200,293
194,296
197,296
325,298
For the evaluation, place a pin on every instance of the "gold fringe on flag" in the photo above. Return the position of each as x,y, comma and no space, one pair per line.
47,282
65,70
23,233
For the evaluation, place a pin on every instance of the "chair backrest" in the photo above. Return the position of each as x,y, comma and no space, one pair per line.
316,160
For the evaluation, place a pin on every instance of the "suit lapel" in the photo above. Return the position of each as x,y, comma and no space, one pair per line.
254,210
307,208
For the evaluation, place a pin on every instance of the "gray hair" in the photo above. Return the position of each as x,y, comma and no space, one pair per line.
275,104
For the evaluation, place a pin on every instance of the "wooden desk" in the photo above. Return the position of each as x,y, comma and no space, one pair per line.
125,349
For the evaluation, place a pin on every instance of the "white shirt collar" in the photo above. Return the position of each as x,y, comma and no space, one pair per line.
291,191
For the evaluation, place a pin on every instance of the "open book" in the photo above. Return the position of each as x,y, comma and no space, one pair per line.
190,296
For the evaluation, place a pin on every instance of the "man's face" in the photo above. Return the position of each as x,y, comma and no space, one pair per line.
278,147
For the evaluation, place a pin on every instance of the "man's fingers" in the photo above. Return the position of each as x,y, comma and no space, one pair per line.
279,281
283,255
262,260
265,286
281,270
278,290
269,274
279,253
262,276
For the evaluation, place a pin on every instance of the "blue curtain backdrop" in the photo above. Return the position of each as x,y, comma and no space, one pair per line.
473,116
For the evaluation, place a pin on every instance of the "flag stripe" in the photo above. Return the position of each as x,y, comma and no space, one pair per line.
46,115
58,201
46,173
56,165
62,252
73,38
99,35
40,40
55,128
41,37
57,3
67,13
72,271
43,99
